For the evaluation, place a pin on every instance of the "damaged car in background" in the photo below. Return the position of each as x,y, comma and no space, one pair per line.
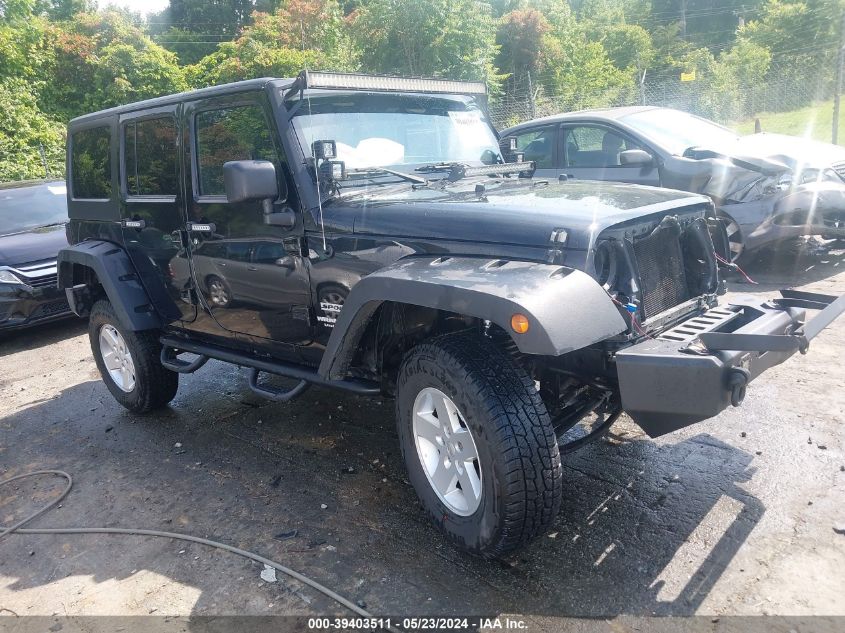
767,187
33,216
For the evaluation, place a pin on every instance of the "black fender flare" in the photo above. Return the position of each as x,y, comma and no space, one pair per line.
118,277
566,308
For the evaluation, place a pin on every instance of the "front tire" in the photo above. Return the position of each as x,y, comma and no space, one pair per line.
129,362
478,444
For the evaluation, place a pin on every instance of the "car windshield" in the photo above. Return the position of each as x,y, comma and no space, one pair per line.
26,208
384,130
677,131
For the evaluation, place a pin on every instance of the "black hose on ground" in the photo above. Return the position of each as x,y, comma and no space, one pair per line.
18,528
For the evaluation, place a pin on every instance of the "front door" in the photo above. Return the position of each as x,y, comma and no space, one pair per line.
591,152
251,277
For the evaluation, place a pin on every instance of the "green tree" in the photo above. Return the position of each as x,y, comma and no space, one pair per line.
112,60
194,28
302,34
451,38
24,130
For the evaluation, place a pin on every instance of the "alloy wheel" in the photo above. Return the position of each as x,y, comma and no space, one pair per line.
117,358
447,451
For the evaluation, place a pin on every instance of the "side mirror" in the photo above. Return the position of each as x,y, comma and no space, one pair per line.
251,181
635,157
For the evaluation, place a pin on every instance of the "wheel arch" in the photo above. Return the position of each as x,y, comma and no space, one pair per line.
566,308
96,268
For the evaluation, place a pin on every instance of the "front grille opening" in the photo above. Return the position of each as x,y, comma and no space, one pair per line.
45,281
663,278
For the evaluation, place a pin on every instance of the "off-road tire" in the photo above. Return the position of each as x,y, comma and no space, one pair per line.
155,386
518,453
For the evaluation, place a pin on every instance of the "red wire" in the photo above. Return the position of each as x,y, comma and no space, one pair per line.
734,266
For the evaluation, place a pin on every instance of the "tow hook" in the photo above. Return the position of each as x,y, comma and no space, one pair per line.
738,383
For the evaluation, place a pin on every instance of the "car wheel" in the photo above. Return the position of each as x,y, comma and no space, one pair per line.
219,294
478,444
735,237
130,362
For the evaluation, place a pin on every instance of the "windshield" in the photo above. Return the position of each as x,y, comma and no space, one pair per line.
25,208
384,130
677,131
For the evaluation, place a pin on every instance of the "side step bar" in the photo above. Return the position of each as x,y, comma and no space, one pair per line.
173,346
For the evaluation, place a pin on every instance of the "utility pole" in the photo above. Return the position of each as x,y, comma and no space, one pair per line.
531,103
837,89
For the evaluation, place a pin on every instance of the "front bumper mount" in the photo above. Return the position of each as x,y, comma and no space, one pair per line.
696,369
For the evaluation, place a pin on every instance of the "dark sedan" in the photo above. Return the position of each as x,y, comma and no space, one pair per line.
33,216
767,187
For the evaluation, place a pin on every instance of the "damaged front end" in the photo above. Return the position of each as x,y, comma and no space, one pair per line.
695,370
770,201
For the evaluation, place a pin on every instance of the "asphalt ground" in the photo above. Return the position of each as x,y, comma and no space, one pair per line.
734,516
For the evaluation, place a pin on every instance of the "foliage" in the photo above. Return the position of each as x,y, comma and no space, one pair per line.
451,38
114,60
62,58
23,130
272,46
193,28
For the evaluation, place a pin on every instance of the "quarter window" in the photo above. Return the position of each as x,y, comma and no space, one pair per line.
538,145
91,164
237,133
149,147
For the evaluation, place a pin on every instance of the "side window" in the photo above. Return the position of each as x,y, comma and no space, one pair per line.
594,146
149,154
268,253
91,164
238,251
538,145
237,133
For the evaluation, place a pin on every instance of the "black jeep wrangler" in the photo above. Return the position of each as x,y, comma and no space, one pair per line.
369,234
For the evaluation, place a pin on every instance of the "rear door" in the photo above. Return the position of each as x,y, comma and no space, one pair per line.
590,151
152,196
268,300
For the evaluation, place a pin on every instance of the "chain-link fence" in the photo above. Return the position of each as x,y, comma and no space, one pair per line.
782,92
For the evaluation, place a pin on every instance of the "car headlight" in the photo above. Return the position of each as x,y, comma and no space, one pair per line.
8,277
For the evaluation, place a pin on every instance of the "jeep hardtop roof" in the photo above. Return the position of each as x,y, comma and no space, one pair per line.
213,91
328,81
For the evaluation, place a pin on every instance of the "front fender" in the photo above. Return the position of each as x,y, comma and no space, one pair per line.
566,308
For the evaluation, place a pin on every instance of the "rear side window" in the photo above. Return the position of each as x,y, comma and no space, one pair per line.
149,150
237,133
91,164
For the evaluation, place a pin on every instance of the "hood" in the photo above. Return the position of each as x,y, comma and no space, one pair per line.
520,212
34,245
794,151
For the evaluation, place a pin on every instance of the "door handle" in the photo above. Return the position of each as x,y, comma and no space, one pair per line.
251,268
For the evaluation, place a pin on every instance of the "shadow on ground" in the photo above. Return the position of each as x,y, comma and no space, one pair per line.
791,263
647,527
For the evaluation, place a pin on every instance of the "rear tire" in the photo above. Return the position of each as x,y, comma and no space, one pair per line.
130,362
518,469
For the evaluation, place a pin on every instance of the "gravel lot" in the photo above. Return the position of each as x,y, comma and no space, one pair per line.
734,516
